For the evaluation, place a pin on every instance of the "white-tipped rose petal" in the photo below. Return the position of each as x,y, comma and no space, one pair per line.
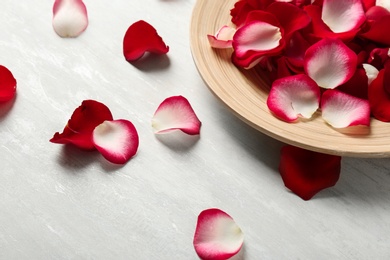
176,113
217,236
371,72
294,96
343,16
342,110
257,36
384,3
330,63
116,140
70,17
223,38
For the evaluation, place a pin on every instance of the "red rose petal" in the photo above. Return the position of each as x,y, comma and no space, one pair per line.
306,172
379,98
142,37
116,140
7,84
83,121
217,236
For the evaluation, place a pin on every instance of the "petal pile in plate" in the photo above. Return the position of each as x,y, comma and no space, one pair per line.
323,55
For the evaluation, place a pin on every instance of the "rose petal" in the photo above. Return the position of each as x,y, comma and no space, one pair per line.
7,84
371,72
343,16
116,140
294,96
379,98
383,3
306,172
176,113
70,17
375,32
342,110
142,37
217,236
223,38
83,121
330,63
356,86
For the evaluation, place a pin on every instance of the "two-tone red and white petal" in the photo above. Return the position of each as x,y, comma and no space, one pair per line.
176,113
116,140
217,236
142,37
7,84
343,16
341,110
223,38
330,63
70,17
293,97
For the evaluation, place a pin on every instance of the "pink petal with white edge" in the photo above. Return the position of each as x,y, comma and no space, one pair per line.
176,113
293,97
342,110
223,38
70,17
116,140
343,16
217,236
371,72
330,63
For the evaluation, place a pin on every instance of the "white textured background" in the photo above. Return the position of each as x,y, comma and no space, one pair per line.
58,202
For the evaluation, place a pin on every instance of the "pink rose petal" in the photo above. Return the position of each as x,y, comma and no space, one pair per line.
293,97
70,17
176,113
217,236
343,16
330,63
142,37
116,140
7,84
342,110
223,38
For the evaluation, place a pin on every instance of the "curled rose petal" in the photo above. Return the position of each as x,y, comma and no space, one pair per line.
83,121
70,17
223,38
294,96
342,110
142,37
176,113
7,84
330,63
116,140
217,236
343,16
306,172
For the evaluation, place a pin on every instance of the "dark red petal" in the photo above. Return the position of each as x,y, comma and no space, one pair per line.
142,37
83,121
357,86
379,99
7,84
306,172
375,32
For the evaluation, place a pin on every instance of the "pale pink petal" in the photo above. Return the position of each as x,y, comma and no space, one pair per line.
176,113
223,38
371,72
343,16
383,3
217,236
293,97
116,140
70,17
330,63
342,110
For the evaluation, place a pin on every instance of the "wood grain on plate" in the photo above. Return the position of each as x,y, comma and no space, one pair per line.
245,93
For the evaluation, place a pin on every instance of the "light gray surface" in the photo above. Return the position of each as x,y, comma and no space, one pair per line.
59,202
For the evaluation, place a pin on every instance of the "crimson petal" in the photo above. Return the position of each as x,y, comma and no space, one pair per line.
142,37
306,172
83,121
7,84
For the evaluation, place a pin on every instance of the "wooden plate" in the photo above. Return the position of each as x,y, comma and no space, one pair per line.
245,93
